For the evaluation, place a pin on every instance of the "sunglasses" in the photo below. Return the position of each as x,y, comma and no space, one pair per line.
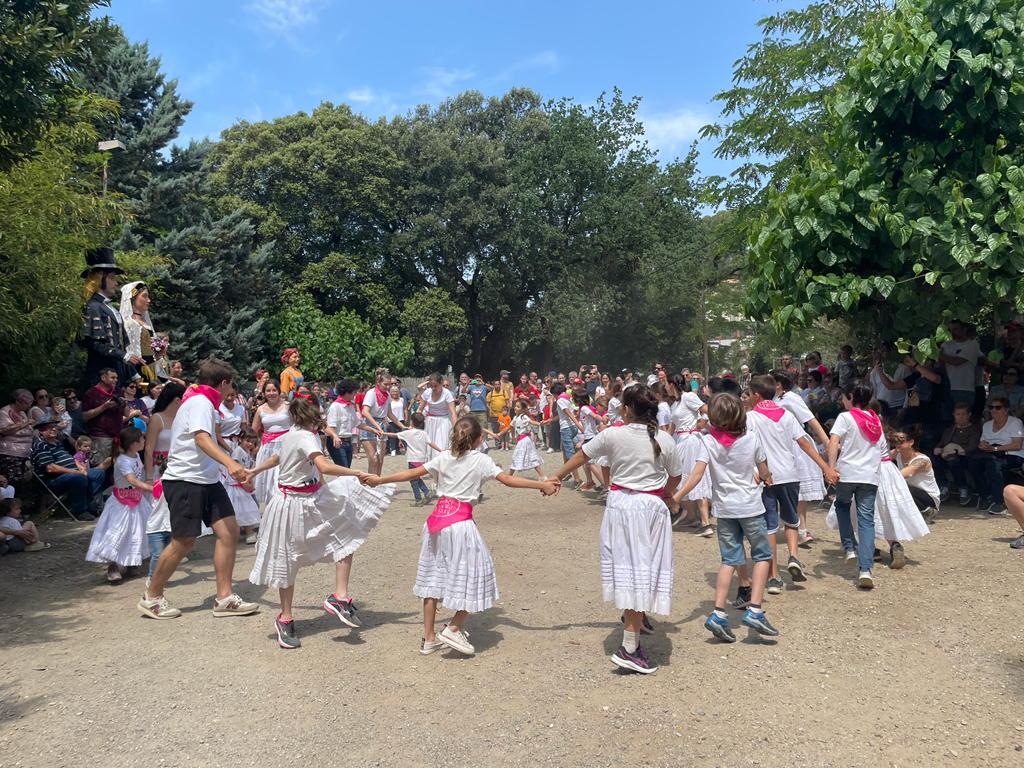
998,408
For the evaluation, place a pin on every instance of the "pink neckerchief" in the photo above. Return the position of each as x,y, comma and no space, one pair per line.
868,423
206,391
770,409
725,438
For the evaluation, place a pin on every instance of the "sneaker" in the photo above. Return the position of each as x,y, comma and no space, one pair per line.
707,532
796,569
286,637
806,539
929,515
775,586
674,517
997,510
343,609
897,557
864,580
456,640
965,497
720,628
233,605
113,574
635,662
758,622
1018,543
157,608
944,494
851,556
742,598
427,648
251,538
646,628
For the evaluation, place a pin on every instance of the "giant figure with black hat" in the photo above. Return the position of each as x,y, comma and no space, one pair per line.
103,333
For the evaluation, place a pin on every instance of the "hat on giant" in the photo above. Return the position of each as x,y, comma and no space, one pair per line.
100,258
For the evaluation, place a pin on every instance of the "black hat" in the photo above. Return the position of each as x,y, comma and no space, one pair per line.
44,422
100,258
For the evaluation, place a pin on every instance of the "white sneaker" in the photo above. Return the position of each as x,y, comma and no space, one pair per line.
233,605
157,608
250,539
456,640
427,648
864,581
851,556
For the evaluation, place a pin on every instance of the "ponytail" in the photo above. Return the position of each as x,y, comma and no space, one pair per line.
465,435
644,407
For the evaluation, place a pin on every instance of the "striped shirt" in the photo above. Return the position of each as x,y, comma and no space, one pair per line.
44,454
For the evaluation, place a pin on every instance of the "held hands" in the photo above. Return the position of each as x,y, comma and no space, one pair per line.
238,473
371,481
550,487
831,476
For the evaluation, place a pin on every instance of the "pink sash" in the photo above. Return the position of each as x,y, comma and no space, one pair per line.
886,458
448,512
269,437
158,489
770,409
130,497
527,436
659,492
312,487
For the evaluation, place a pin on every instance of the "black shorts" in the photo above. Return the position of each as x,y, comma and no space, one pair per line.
192,504
780,501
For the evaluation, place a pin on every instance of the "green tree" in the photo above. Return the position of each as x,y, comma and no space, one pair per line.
436,325
917,205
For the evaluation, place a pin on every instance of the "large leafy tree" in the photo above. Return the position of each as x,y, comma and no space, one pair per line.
917,202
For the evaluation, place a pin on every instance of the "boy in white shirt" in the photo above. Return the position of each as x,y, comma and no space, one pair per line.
195,494
342,420
416,444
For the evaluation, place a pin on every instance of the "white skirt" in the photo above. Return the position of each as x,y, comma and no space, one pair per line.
525,455
300,529
265,483
456,568
439,432
120,534
636,552
812,482
896,515
687,445
247,511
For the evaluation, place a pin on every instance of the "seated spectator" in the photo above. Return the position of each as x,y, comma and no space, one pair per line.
42,406
6,489
1013,497
152,394
103,412
1010,389
815,393
135,409
15,435
958,442
61,473
1000,449
16,535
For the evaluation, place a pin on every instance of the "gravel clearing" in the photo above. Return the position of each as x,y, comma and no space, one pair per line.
926,670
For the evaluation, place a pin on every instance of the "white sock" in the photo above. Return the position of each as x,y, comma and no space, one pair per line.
721,614
630,640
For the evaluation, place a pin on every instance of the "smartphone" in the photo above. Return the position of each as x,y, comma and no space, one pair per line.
60,403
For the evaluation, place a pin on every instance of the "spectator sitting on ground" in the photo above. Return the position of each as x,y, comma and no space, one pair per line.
62,474
1000,449
1010,389
15,435
16,535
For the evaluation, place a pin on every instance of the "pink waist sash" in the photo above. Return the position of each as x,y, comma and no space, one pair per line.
269,437
527,436
448,512
886,458
310,488
659,492
158,489
130,497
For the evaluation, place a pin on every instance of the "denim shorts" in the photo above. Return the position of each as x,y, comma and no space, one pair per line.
568,436
780,501
732,531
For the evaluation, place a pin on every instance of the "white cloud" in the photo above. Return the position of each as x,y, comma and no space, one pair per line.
442,82
364,95
671,132
284,16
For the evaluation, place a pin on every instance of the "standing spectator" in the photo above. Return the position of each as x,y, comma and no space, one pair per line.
103,412
15,435
476,396
1000,449
506,387
744,378
958,443
397,405
152,394
526,389
62,474
812,362
960,356
890,391
42,406
815,394
462,388
134,408
497,405
846,367
74,405
788,367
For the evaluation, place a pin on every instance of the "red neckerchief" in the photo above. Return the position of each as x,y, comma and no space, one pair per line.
108,393
382,396
770,409
343,401
206,391
725,438
868,423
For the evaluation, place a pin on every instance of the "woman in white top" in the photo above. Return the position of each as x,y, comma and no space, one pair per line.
439,410
232,417
377,414
270,423
636,532
158,445
397,405
1001,448
689,414
455,566
308,521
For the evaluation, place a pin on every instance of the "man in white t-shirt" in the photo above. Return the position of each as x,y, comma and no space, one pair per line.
1001,448
889,390
195,495
960,356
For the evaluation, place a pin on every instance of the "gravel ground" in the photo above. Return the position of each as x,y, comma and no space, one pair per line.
927,669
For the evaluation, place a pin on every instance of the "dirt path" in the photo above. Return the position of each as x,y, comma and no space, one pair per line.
928,669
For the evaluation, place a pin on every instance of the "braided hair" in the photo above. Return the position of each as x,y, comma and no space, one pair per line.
644,407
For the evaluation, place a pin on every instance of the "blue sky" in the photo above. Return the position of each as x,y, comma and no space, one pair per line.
260,59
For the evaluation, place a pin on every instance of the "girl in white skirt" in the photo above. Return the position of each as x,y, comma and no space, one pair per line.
158,446
270,423
636,533
247,511
593,422
524,455
119,539
689,415
308,521
439,409
455,567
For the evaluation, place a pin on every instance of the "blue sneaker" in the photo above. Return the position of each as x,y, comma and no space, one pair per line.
759,623
720,628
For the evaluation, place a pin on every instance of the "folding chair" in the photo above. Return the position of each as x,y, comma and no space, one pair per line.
51,493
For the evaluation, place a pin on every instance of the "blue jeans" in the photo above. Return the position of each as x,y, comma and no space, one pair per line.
865,494
80,490
732,531
341,456
157,543
568,438
418,486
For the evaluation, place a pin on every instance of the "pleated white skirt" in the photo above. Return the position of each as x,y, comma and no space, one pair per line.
265,483
525,455
456,568
896,515
439,431
686,448
247,511
812,482
120,534
636,552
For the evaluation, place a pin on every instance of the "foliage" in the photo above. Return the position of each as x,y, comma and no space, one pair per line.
435,324
920,196
43,43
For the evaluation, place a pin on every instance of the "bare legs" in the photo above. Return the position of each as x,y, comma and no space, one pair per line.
342,570
430,618
168,563
374,457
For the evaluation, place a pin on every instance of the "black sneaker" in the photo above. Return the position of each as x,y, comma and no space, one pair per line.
634,662
286,637
775,586
343,609
742,598
796,569
897,557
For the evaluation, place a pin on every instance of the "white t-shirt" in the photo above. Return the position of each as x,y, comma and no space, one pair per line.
631,459
590,422
415,444
342,418
780,442
859,460
398,408
296,467
923,479
686,412
961,377
795,404
564,404
895,398
437,407
231,420
614,410
186,461
1013,428
125,465
461,478
664,414
11,524
734,491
